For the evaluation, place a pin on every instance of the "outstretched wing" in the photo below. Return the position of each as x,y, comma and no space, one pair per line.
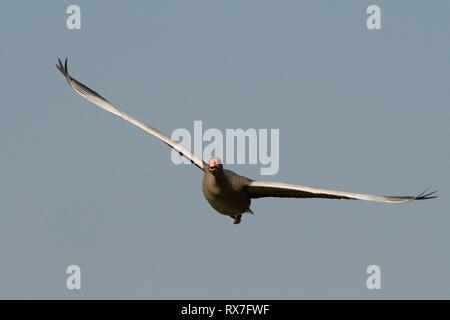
260,189
97,99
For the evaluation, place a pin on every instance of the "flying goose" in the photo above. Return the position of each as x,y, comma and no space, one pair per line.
227,192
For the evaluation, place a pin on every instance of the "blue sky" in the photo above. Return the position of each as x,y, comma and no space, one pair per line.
357,110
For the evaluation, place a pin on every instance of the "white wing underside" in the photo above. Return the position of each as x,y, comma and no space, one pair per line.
98,100
260,189
256,189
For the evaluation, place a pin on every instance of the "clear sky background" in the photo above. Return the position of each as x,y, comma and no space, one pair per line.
357,110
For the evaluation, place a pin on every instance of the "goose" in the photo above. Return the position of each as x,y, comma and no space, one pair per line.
227,192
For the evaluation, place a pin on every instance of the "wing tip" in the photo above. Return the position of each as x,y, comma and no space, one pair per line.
425,195
63,68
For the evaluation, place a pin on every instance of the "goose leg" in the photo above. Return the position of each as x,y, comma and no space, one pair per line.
237,219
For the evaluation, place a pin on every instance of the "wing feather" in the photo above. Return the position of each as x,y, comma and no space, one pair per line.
260,189
100,101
